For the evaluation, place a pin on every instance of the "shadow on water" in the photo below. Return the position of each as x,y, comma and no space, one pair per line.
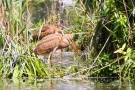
61,84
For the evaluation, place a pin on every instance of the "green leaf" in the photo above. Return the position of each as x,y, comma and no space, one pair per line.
16,72
123,47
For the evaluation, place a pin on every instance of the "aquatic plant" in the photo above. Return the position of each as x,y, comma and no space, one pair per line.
114,27
16,56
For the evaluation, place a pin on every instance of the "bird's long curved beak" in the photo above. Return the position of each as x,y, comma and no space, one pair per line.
72,43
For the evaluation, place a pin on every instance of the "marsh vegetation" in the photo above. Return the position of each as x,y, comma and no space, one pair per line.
104,29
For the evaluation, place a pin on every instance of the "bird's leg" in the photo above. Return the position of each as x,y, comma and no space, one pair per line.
49,58
49,64
50,55
55,49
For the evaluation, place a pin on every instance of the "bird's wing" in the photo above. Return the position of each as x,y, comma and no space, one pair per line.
46,30
47,44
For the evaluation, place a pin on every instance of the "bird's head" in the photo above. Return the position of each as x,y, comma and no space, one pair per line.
69,37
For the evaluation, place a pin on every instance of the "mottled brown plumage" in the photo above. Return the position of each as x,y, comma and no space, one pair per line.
46,30
51,42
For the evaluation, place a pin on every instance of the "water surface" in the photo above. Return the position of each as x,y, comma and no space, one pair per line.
61,84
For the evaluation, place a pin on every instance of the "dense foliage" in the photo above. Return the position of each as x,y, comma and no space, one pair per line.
104,29
114,30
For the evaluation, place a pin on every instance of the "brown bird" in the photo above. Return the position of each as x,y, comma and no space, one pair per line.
46,30
53,42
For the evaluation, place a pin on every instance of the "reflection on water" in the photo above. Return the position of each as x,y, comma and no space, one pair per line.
60,84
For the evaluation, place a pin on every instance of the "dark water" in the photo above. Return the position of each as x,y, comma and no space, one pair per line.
61,84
